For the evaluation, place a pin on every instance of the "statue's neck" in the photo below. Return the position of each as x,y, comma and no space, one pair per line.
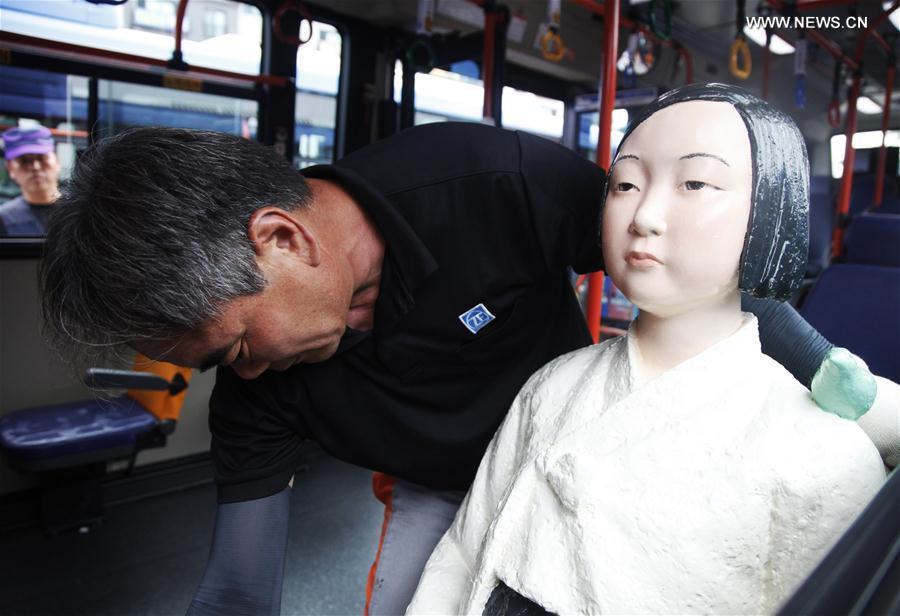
665,339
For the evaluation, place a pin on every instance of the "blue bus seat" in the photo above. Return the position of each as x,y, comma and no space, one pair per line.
821,224
874,239
855,306
862,194
73,446
57,436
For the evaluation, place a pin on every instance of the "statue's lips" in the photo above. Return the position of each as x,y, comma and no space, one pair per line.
642,260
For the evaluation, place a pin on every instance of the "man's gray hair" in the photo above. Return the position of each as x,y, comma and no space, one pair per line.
149,239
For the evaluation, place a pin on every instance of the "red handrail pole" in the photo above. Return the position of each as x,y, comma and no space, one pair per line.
90,52
885,120
607,104
179,23
843,203
688,65
487,65
881,42
625,22
881,17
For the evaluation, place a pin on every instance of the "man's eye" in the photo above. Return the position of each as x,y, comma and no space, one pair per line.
625,187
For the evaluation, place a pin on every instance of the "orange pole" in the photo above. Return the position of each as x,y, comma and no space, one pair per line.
607,104
881,42
179,24
843,204
824,42
625,22
487,66
885,120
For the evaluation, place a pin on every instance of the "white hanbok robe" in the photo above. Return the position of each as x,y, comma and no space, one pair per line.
714,488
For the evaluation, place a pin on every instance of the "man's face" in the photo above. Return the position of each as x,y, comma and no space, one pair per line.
299,317
35,173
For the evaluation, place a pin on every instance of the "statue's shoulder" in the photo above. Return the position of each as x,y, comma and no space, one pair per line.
812,448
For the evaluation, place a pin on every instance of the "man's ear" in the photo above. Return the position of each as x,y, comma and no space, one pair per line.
273,229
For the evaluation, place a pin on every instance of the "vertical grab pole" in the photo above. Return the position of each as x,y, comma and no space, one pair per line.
843,205
607,103
885,120
177,62
487,64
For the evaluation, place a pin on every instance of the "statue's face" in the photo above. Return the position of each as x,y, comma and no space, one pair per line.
678,206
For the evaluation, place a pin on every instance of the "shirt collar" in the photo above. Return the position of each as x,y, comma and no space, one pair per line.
407,261
708,370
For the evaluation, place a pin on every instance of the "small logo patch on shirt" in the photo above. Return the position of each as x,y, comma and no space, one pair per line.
476,317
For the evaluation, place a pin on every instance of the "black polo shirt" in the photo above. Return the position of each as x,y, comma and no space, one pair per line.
479,226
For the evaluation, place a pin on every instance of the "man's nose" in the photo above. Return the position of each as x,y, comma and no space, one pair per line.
650,216
249,370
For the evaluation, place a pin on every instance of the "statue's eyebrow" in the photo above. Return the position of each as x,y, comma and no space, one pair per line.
698,154
624,157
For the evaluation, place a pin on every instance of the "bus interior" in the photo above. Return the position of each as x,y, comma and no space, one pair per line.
124,527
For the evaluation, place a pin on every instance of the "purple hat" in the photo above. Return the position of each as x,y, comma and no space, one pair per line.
18,141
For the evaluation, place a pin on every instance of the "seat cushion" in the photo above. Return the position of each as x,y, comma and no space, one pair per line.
76,432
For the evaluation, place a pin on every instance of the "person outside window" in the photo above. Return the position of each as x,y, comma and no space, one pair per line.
32,164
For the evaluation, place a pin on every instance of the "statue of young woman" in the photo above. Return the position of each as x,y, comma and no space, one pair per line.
676,469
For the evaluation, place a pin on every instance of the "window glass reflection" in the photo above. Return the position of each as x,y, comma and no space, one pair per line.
318,76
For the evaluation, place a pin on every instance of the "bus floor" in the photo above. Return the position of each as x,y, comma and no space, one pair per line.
148,556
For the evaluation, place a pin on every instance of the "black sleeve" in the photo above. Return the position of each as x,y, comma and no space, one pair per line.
787,338
257,430
245,570
565,192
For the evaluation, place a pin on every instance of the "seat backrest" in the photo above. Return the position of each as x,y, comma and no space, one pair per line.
874,239
821,224
160,404
862,192
856,307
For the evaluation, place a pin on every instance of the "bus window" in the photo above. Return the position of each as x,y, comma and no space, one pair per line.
220,34
443,96
861,141
589,131
29,97
534,114
129,104
315,110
